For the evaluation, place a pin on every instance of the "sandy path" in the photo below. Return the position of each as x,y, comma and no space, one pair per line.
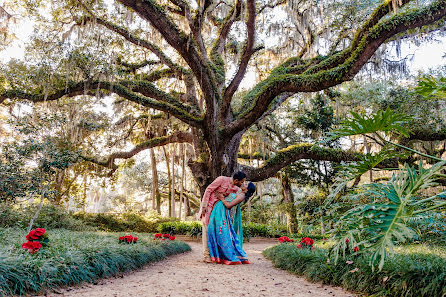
186,275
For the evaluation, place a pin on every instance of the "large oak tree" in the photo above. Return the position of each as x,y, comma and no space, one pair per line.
188,59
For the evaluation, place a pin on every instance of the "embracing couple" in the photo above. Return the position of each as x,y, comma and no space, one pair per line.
220,214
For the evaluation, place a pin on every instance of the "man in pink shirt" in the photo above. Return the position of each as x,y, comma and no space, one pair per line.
221,185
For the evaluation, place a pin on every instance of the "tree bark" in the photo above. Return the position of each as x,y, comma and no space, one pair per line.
288,198
169,183
156,198
173,214
183,176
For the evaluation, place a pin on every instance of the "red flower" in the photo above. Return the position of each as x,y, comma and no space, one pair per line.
163,239
299,246
32,235
40,231
158,235
307,241
32,246
346,240
356,249
172,237
135,239
166,235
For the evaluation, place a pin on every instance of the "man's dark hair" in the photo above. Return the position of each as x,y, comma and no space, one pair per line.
239,175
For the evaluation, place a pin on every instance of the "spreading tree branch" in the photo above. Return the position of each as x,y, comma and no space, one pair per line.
301,151
179,137
155,14
152,97
246,56
277,83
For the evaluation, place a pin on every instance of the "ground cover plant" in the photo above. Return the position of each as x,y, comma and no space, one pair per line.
74,257
415,270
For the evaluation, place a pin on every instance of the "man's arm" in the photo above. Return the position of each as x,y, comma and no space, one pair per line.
209,190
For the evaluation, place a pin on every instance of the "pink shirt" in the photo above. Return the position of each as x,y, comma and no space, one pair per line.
221,184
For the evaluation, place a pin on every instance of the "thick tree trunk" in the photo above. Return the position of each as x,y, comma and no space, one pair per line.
288,197
223,162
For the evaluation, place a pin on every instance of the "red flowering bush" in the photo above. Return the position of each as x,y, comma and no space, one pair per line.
128,239
306,243
36,239
356,249
284,239
32,246
163,237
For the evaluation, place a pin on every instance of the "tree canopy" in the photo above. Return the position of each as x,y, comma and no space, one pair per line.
188,59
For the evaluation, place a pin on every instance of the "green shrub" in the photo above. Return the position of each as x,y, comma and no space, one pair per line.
125,222
73,257
50,217
263,230
184,228
413,271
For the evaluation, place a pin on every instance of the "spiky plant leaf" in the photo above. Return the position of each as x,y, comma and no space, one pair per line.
355,170
387,121
385,221
430,86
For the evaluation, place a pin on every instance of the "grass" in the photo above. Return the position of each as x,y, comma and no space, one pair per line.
74,257
415,270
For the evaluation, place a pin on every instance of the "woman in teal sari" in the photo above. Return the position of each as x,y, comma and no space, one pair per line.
225,233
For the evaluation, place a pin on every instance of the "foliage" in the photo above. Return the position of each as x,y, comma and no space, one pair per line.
384,221
72,258
192,229
387,121
56,217
125,222
430,86
414,271
50,217
249,229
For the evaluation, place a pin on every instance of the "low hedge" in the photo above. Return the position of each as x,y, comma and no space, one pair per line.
50,217
416,270
74,257
53,217
249,230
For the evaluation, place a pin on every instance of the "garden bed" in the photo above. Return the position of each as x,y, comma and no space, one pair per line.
415,270
74,257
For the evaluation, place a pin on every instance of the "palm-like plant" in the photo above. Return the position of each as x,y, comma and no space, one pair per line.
429,86
380,224
384,221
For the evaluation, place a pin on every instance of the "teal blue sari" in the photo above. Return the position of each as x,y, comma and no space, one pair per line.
225,234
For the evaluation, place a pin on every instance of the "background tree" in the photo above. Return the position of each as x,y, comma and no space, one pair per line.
196,67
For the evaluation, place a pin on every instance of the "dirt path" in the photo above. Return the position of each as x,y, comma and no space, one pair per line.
185,275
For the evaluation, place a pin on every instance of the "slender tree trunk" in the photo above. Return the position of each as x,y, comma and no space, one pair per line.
183,175
173,214
169,183
367,148
84,204
156,198
59,179
288,197
36,215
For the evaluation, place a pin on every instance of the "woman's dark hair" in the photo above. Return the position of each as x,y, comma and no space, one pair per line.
250,192
239,175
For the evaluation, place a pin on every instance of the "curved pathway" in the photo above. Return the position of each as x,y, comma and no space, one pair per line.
185,275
